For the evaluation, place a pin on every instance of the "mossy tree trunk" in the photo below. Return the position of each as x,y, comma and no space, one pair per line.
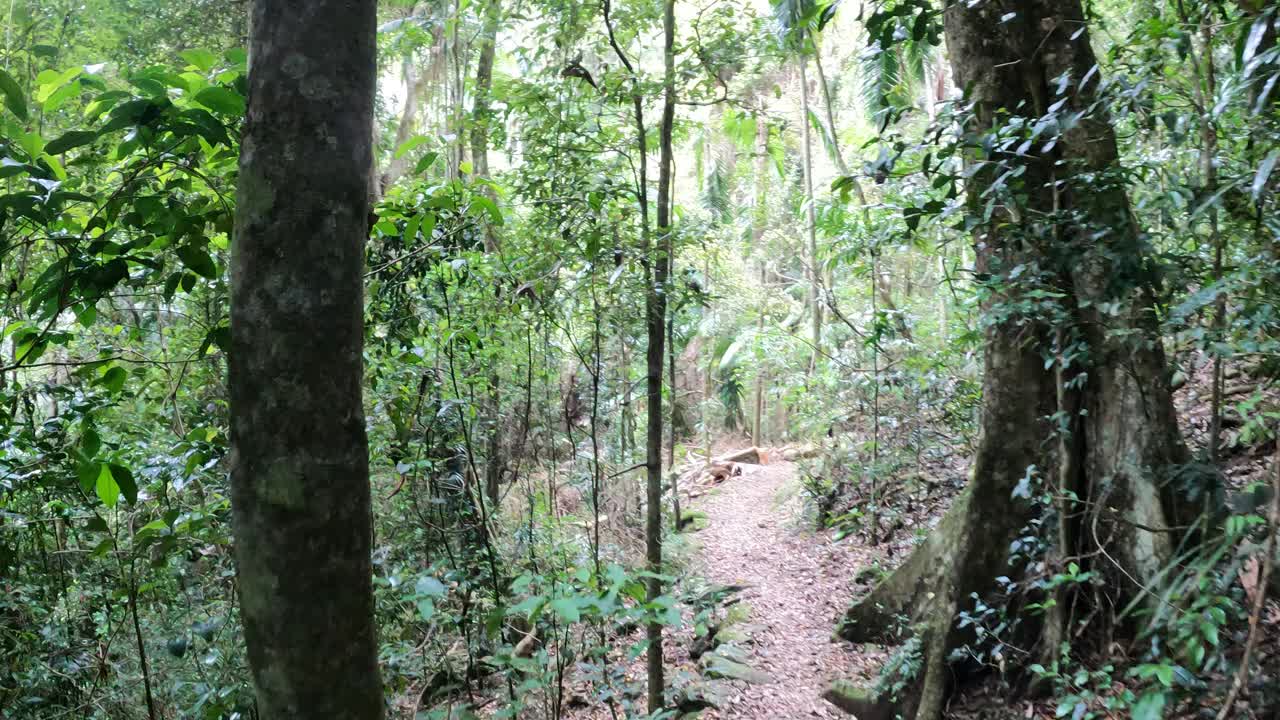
299,470
1076,392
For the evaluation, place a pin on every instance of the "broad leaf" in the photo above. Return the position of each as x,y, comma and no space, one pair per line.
202,60
221,99
13,97
69,141
106,487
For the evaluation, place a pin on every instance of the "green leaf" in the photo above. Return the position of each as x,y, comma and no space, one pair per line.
70,140
409,145
528,606
87,473
1149,707
61,96
106,487
429,586
489,206
198,261
221,337
51,81
124,480
155,527
202,60
411,229
567,609
113,379
221,99
13,97
426,608
425,162
11,168
90,442
1210,632
1264,172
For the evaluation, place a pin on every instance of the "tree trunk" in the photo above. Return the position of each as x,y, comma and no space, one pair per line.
1121,435
415,82
656,295
655,310
759,223
481,111
480,165
1206,93
811,221
300,474
671,417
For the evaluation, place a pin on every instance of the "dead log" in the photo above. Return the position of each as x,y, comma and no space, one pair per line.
801,453
751,456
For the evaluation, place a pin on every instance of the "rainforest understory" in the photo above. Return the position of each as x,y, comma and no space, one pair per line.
602,359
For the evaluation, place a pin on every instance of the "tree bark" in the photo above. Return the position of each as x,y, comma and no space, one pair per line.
299,470
1121,433
655,319
811,221
672,410
759,223
415,83
482,109
480,165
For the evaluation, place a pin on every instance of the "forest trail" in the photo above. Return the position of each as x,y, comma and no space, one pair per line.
799,583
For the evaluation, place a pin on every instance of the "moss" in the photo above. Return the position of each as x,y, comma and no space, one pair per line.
693,520
858,701
255,197
736,615
283,485
716,665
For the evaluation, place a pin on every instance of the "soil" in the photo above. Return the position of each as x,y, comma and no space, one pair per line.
798,584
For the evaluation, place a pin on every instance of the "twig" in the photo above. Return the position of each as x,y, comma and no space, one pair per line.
624,472
1259,600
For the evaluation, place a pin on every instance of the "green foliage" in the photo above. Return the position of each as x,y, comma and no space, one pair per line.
504,323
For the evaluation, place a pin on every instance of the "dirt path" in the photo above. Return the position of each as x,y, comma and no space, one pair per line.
799,584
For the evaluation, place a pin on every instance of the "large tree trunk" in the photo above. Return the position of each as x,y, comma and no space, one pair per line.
299,474
1072,230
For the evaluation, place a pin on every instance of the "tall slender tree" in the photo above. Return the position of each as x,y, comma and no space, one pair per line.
300,474
480,120
656,296
810,217
655,312
759,223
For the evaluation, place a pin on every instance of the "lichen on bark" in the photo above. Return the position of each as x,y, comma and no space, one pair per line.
299,476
